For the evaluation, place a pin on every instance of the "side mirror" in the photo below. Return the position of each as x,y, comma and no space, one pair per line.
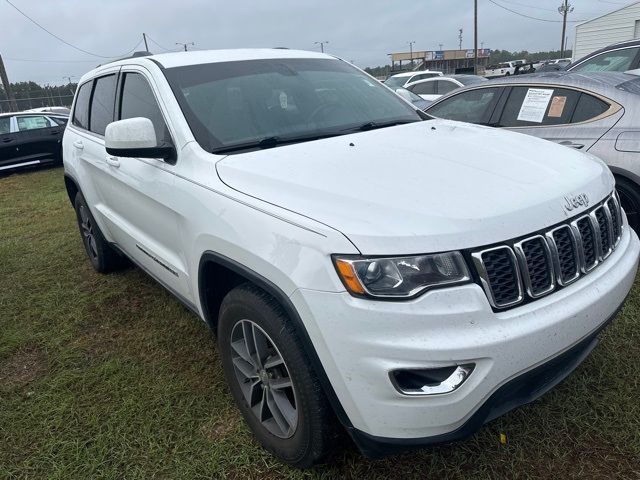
404,93
136,137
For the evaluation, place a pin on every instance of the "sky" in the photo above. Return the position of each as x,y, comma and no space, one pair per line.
362,31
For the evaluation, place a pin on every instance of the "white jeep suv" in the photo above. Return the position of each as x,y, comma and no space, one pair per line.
410,278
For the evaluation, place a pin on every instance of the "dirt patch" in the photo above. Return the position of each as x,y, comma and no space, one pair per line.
23,367
221,427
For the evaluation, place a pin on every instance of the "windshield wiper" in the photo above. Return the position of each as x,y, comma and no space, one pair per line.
274,141
374,125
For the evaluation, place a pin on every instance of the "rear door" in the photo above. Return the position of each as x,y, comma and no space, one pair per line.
567,116
43,136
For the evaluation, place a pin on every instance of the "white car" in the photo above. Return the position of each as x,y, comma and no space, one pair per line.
433,88
407,279
400,80
502,69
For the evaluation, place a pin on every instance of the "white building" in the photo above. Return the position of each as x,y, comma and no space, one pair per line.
617,26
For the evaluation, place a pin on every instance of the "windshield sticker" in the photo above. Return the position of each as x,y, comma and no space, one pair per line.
557,107
535,105
284,101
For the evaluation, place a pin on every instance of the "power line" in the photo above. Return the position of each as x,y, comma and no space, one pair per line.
531,17
158,45
529,6
63,40
48,61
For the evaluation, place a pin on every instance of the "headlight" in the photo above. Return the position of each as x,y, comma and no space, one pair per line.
400,277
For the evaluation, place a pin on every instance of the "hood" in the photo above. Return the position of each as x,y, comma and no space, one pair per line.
424,187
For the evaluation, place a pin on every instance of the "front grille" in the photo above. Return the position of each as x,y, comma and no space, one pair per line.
586,233
539,264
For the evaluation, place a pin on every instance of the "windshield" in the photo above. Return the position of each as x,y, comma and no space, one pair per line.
263,103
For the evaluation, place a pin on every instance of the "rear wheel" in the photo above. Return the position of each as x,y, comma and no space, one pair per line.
629,194
271,378
102,256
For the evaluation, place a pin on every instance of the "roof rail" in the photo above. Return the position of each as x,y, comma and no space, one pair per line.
141,53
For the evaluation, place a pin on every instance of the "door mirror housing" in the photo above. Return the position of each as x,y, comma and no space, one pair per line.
136,137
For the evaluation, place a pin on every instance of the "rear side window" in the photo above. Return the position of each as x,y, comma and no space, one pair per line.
102,103
138,101
81,109
474,106
426,88
444,86
588,107
533,106
34,122
614,61
5,125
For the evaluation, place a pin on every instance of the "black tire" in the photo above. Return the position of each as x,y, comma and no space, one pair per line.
629,194
102,256
315,426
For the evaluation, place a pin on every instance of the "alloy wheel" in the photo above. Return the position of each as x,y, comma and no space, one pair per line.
264,379
88,235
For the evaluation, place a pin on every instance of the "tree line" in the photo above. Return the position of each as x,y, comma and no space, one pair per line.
31,95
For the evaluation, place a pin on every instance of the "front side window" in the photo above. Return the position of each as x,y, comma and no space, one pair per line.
138,100
32,122
614,61
474,106
81,109
239,104
102,103
531,106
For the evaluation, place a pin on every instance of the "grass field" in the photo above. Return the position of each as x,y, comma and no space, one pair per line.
110,377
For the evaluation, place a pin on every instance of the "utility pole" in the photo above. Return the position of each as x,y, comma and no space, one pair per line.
144,37
475,37
13,107
185,45
460,39
564,10
411,51
321,45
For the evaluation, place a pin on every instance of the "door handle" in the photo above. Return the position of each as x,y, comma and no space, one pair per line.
113,161
7,140
568,143
78,144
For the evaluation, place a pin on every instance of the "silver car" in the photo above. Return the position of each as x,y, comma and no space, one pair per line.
594,112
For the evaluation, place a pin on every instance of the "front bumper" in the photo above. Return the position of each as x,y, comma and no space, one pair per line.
359,341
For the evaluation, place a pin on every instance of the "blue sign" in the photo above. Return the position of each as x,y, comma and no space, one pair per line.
439,55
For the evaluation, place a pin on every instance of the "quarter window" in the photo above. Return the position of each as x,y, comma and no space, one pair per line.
614,61
102,102
81,109
138,101
589,107
474,106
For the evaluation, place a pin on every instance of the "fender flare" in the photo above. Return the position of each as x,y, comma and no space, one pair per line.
284,300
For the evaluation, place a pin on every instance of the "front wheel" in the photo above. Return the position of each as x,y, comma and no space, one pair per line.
271,378
629,194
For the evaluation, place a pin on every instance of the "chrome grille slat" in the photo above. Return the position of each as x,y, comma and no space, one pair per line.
539,264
